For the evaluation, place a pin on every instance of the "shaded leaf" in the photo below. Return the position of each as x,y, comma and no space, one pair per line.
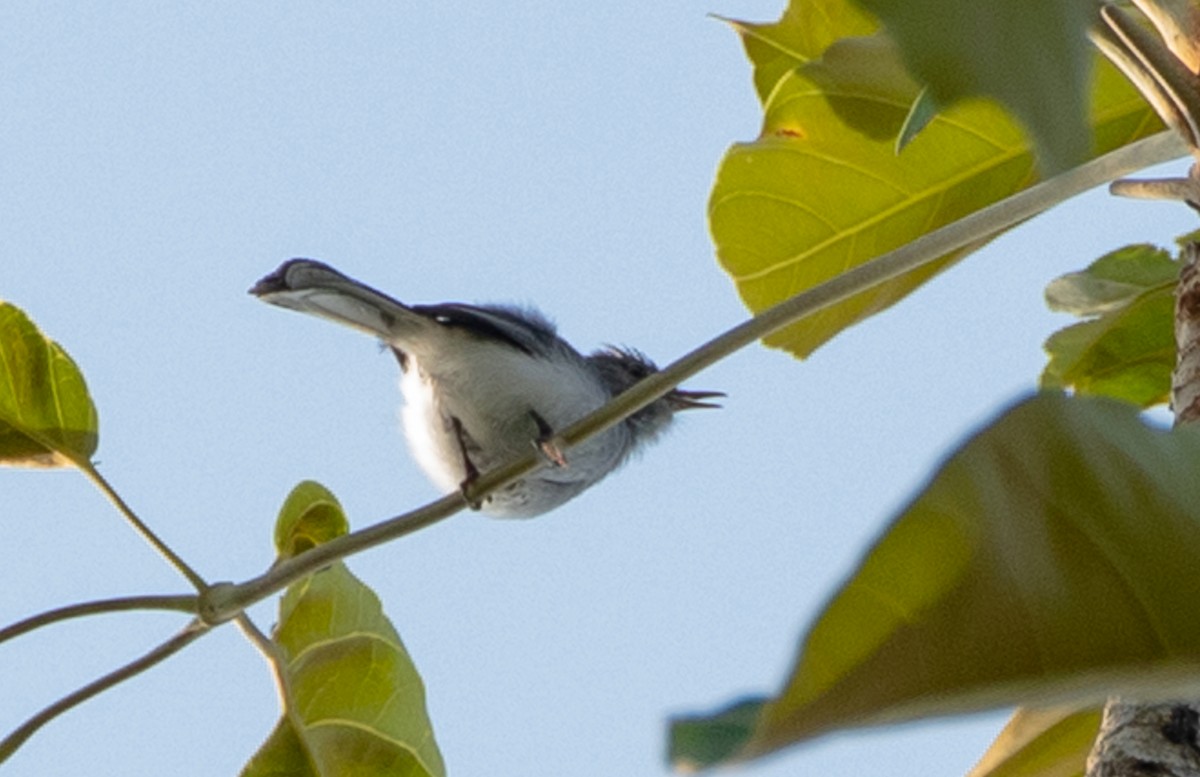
1050,561
47,418
867,69
282,755
697,743
1112,281
1042,743
1031,55
354,702
822,190
1127,351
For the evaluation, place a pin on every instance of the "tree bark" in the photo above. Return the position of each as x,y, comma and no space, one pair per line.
1161,740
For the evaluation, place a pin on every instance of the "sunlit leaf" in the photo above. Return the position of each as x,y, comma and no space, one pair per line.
803,33
47,418
1031,55
310,516
1127,351
1050,561
823,190
354,703
1042,743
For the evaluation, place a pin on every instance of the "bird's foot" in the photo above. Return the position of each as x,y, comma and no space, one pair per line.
467,486
545,442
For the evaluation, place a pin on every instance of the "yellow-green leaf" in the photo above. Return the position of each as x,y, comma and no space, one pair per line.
354,702
1050,561
800,36
47,418
310,516
822,190
1127,351
1042,743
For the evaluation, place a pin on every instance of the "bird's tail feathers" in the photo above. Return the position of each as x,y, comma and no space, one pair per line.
318,289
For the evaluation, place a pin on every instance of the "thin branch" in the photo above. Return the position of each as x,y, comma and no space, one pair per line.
140,526
1178,22
1176,189
225,601
182,603
189,634
970,230
1157,73
274,657
256,636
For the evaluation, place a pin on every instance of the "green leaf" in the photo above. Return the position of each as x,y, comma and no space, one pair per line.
310,516
282,755
1030,55
354,703
47,418
922,112
1127,351
822,190
1042,743
801,35
700,742
1113,281
1050,561
858,74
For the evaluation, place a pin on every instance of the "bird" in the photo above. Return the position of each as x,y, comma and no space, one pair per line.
484,383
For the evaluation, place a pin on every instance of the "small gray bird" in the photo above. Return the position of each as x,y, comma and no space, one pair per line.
483,383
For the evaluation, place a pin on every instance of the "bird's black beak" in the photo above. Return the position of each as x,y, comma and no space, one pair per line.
687,400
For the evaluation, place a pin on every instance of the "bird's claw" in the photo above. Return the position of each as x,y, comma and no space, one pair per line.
545,443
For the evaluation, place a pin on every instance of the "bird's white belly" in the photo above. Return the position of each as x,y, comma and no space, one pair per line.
493,404
430,433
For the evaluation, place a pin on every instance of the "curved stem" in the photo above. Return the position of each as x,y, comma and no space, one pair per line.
189,634
257,636
225,601
147,533
273,656
969,230
182,603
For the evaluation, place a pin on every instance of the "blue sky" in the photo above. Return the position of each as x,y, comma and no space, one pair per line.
157,159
